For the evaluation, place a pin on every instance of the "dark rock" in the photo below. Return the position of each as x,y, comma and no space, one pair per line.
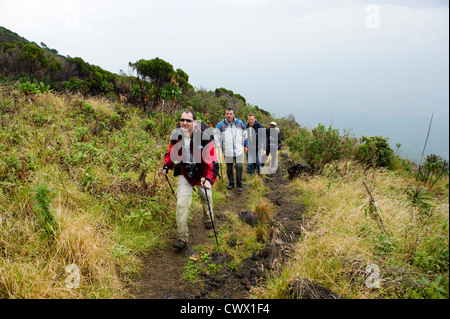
263,253
249,217
190,252
221,217
233,242
303,288
298,168
218,257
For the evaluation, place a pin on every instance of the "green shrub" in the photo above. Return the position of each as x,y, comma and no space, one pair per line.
402,165
207,102
73,84
28,88
320,146
43,88
171,91
149,125
375,152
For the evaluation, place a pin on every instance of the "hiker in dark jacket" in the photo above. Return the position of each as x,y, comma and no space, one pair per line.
255,144
192,156
273,144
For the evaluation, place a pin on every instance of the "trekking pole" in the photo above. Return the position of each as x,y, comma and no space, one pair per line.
219,158
210,214
170,186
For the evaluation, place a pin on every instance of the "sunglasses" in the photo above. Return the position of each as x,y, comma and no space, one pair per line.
186,120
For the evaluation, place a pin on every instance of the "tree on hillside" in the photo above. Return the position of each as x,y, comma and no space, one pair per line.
156,70
230,98
93,78
33,58
375,152
11,37
183,80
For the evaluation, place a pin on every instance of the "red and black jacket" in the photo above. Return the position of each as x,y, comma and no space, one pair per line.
201,153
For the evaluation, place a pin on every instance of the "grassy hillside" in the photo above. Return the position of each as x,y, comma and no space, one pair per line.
71,194
79,185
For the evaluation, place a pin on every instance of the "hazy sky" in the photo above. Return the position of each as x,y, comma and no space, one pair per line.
376,57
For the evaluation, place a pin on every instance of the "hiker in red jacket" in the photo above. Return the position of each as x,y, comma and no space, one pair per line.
192,156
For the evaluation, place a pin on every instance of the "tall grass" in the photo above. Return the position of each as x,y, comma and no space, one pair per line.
70,194
341,240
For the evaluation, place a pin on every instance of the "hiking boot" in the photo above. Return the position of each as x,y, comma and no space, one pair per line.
230,186
240,189
179,244
208,225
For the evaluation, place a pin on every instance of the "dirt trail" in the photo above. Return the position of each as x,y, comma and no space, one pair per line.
163,270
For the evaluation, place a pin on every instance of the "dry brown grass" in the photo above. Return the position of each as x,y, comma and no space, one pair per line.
263,208
341,241
39,271
37,141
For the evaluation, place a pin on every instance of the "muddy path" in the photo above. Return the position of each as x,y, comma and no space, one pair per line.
162,274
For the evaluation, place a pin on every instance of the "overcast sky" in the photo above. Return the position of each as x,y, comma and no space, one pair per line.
373,57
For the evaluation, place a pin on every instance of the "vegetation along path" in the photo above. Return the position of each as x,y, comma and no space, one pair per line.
254,239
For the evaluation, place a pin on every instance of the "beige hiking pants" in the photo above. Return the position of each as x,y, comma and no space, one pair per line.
184,200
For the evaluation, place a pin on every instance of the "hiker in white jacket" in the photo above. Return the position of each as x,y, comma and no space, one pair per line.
231,136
